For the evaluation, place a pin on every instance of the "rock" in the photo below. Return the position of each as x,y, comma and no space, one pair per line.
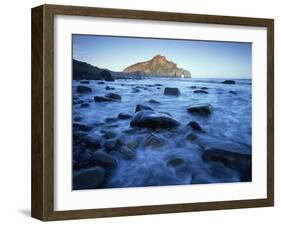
106,75
78,136
111,120
234,155
81,126
175,162
84,105
193,87
133,144
85,82
191,137
154,101
200,91
100,83
230,82
200,109
83,89
195,126
91,142
204,87
109,88
158,84
109,134
158,88
77,118
172,91
135,90
141,107
124,116
113,96
151,119
232,92
101,158
127,153
103,99
112,144
88,178
154,141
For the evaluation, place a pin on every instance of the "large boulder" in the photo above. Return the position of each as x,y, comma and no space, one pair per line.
83,89
172,91
232,154
106,75
151,119
200,109
103,159
141,107
88,178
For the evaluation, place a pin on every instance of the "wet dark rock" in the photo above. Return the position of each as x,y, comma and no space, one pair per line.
195,126
193,87
175,162
81,126
106,75
84,105
85,82
204,87
200,91
200,109
103,99
135,90
127,153
112,144
113,96
77,118
100,83
78,136
103,159
232,92
91,142
152,101
151,119
124,116
158,88
83,89
109,88
110,120
230,82
88,178
158,84
141,107
154,141
172,91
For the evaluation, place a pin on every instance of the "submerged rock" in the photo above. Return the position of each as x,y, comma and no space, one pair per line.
103,99
154,141
232,92
127,153
91,142
135,90
152,101
193,87
141,107
200,109
112,144
191,137
113,96
195,126
83,89
106,75
109,134
101,158
172,91
88,178
124,116
200,91
151,119
84,105
109,88
231,82
81,126
204,87
175,162
100,83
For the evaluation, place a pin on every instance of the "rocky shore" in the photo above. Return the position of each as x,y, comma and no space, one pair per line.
128,134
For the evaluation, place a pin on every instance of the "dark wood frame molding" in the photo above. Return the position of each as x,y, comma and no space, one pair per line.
43,120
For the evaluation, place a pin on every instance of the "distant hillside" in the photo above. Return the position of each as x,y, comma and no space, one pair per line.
160,66
82,70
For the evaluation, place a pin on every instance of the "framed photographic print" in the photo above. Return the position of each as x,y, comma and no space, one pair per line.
141,112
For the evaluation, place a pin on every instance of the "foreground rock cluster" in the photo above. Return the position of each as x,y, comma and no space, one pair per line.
96,157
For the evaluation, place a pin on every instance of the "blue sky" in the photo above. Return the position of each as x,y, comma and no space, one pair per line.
206,59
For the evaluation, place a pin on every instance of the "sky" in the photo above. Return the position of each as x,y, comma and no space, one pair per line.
204,59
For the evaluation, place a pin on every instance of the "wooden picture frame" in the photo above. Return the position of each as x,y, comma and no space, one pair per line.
43,108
